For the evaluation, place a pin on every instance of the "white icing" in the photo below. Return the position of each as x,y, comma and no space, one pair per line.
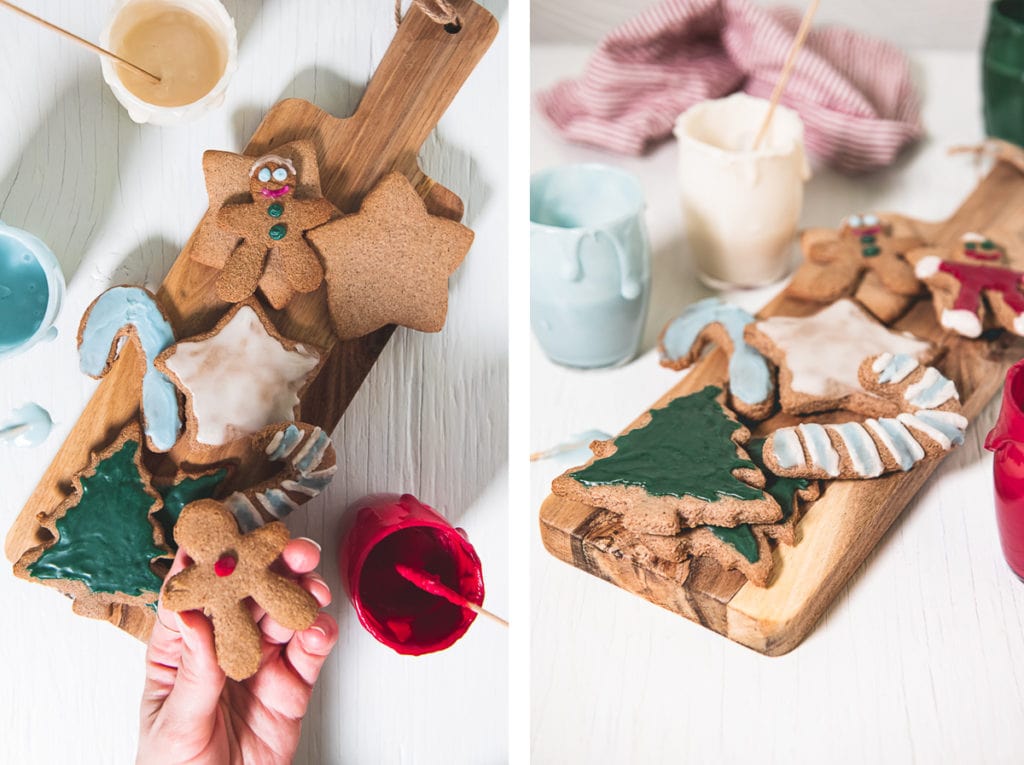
961,321
1018,325
881,362
274,442
824,351
298,488
241,379
927,266
896,369
819,448
860,448
787,449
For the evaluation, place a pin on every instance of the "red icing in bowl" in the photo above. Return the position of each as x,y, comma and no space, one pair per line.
389,530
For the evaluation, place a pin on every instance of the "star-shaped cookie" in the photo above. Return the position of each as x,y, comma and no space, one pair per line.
390,262
819,356
240,376
260,210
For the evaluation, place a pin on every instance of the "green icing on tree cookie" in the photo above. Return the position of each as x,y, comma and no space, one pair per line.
784,490
180,494
685,450
106,540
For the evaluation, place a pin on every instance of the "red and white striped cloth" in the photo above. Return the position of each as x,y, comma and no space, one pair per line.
854,94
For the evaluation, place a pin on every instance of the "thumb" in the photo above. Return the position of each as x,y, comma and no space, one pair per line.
200,681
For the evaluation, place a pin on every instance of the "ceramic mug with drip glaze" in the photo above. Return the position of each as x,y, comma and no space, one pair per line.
590,264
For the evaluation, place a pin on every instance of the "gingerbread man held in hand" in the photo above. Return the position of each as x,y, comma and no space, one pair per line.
228,568
273,253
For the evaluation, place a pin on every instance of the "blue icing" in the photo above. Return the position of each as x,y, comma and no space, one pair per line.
277,502
289,438
28,425
314,454
939,391
115,309
905,449
820,448
245,514
862,450
942,422
318,483
787,449
898,368
749,377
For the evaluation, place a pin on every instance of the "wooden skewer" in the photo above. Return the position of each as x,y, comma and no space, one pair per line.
433,585
81,41
787,69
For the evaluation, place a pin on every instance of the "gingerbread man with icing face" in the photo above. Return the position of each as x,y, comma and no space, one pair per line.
971,281
272,253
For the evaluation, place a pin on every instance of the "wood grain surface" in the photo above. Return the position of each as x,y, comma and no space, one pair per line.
423,69
840,529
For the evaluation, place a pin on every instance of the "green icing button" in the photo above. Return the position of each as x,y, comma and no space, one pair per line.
685,450
275,210
106,540
868,239
277,231
870,252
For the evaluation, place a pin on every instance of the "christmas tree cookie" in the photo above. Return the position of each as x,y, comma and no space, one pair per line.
744,548
684,466
105,537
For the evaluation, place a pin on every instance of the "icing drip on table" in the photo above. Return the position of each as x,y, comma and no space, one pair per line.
28,425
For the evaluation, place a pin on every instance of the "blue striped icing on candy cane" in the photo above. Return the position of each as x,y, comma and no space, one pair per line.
245,513
283,442
819,447
277,503
931,391
788,451
312,452
900,443
893,368
862,450
749,377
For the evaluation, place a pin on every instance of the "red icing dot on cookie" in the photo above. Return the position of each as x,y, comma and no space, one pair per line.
225,565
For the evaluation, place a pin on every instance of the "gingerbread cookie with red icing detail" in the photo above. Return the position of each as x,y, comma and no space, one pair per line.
228,569
863,259
972,287
260,211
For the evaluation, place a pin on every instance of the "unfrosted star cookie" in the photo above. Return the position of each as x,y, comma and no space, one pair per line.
929,423
971,284
683,466
818,357
260,211
390,262
240,376
751,381
864,259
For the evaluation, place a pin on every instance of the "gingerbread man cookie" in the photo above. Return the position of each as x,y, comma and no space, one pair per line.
863,259
228,568
259,213
965,278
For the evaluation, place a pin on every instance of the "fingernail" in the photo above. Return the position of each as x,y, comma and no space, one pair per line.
319,629
312,542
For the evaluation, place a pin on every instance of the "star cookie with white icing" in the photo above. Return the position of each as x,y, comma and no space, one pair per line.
818,357
390,262
240,376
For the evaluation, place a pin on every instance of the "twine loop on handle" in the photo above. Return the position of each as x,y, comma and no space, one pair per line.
438,11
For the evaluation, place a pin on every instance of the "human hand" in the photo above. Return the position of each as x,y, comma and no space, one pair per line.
191,713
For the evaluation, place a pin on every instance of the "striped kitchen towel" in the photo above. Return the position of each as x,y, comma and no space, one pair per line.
854,94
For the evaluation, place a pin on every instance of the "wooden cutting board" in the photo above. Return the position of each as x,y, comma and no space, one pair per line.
839,530
422,70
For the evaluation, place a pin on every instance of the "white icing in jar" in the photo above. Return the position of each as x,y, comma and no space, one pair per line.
740,206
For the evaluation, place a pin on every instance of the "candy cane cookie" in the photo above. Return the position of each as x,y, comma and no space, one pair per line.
929,423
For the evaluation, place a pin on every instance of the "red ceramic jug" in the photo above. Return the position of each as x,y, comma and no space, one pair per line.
388,529
1006,439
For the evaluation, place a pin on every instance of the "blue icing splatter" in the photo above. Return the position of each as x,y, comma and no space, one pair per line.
114,310
749,377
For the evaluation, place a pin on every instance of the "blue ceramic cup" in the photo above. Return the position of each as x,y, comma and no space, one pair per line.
590,264
31,291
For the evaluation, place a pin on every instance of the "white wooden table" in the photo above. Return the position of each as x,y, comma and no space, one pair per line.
116,202
919,659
